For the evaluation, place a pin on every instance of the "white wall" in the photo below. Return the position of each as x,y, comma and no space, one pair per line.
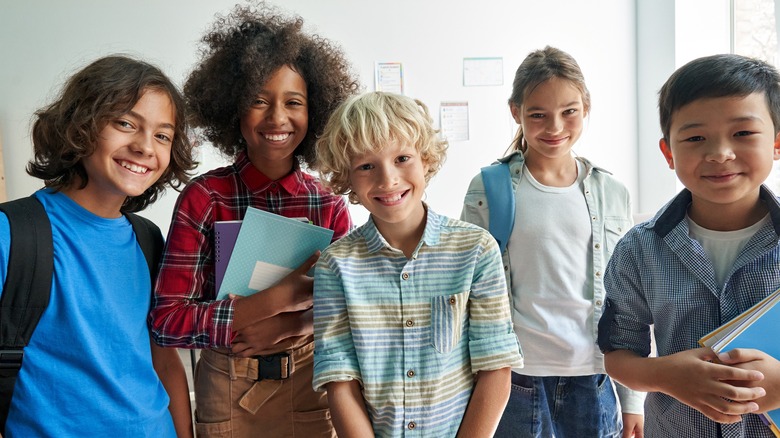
42,42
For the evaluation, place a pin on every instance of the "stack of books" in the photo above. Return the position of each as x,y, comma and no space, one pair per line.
256,253
755,328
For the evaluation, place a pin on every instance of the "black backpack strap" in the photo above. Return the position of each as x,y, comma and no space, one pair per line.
26,290
149,239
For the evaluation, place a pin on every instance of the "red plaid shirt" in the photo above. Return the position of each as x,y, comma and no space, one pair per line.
184,311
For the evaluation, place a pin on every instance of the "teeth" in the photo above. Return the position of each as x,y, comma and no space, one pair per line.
277,137
134,167
394,198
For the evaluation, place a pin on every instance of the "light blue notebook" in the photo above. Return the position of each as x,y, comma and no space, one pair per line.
754,328
268,248
761,335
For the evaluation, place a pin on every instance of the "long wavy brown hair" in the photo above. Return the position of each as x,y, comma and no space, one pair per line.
66,131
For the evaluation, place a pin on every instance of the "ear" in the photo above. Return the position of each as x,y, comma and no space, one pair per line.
516,113
426,169
777,147
667,151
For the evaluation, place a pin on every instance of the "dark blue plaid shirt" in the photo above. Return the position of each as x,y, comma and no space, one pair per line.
659,275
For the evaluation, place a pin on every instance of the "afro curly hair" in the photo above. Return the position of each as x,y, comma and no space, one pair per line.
240,52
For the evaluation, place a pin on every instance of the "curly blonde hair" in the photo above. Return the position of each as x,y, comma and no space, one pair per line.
369,122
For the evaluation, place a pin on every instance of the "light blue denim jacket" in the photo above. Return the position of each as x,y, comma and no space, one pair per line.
609,205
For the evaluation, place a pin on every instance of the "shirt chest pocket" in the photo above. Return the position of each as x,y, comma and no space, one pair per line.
448,315
614,229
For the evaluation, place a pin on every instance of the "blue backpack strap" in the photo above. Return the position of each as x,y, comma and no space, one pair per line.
26,290
501,201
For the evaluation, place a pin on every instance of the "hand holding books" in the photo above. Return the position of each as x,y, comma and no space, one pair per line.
756,328
267,248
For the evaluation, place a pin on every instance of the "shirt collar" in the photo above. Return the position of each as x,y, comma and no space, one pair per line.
431,235
256,180
517,158
674,211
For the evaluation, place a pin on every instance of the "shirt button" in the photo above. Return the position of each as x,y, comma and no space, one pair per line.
405,275
593,217
452,300
598,273
409,323
411,425
410,373
598,302
479,203
506,267
598,246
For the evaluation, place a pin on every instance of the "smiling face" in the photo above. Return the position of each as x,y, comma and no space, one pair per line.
276,122
133,151
552,118
390,183
722,150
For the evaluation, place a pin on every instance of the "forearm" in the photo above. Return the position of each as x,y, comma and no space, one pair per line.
262,305
273,334
487,403
170,370
185,323
348,410
632,371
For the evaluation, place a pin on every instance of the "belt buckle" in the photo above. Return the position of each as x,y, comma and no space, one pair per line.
274,366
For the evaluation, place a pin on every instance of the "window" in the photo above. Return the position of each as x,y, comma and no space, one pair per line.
754,33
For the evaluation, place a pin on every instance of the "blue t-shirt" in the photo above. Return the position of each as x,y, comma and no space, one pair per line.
88,368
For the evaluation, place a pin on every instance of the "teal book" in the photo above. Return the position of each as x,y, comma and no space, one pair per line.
267,248
755,328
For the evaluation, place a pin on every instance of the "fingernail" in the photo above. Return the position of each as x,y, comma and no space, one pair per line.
761,391
724,357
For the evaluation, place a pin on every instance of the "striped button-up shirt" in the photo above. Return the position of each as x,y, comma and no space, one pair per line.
413,331
659,275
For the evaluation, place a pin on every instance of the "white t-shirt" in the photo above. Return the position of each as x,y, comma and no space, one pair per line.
723,247
550,249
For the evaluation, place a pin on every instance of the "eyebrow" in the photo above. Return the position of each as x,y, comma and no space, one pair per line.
570,104
142,118
286,93
694,125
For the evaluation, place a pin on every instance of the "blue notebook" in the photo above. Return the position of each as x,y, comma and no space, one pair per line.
267,248
755,328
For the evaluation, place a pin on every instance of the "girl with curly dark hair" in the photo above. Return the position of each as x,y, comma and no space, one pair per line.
111,141
261,94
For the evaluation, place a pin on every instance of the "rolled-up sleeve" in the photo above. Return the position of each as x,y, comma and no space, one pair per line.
335,359
492,340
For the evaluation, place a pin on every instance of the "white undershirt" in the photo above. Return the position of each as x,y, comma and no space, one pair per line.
550,253
723,247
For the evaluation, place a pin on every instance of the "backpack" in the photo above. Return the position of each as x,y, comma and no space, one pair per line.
28,284
501,201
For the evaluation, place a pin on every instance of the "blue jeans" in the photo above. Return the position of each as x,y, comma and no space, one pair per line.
568,407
